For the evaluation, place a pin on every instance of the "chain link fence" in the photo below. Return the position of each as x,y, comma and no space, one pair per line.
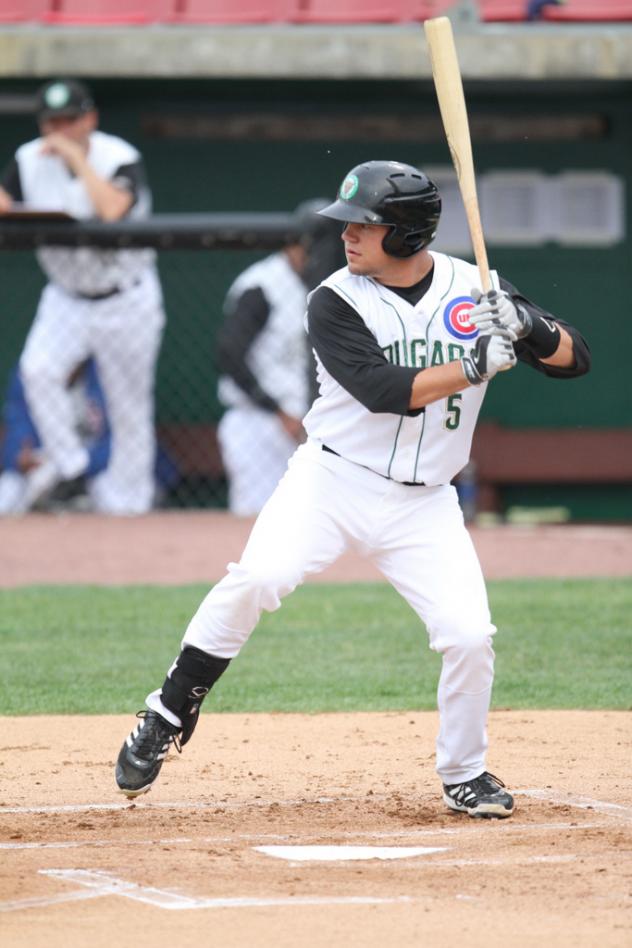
155,363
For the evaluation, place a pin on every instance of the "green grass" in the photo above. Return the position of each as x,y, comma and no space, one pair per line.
561,644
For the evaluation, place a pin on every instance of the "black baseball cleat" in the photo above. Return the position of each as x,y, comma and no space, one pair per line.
484,797
143,753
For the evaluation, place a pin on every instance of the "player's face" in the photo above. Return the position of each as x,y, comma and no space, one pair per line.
364,251
75,127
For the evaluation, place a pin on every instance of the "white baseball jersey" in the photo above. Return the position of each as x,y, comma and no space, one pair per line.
278,356
433,446
47,183
105,303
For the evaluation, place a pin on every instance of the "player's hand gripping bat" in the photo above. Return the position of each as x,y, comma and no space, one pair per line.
449,89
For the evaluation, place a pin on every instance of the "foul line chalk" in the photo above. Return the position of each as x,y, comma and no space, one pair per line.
177,805
581,803
101,883
585,803
44,901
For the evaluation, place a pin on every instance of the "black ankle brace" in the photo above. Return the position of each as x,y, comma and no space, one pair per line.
187,685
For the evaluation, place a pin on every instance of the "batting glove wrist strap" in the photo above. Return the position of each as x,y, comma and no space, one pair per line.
544,336
492,353
471,372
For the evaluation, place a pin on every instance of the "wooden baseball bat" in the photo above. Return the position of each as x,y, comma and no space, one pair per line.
449,89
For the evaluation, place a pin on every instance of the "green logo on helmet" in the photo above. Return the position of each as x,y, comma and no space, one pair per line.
349,187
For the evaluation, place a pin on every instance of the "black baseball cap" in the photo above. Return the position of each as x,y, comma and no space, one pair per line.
66,98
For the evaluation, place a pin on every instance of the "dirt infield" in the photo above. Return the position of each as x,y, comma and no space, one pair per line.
211,856
185,867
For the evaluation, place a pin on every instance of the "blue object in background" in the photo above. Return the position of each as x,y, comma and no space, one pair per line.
20,432
535,7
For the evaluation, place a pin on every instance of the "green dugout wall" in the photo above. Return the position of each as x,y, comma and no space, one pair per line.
246,146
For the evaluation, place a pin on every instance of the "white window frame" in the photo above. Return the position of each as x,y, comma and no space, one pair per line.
547,203
526,233
614,202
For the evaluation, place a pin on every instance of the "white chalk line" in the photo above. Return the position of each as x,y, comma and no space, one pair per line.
581,803
101,883
466,829
44,901
546,796
178,805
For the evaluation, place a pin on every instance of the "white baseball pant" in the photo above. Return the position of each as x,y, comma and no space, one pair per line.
414,535
123,333
245,434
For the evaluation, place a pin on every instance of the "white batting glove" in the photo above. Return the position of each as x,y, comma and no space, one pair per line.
492,353
495,312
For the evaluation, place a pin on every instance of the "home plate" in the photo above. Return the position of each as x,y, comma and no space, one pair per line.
345,853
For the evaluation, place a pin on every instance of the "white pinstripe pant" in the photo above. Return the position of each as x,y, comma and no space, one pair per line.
123,333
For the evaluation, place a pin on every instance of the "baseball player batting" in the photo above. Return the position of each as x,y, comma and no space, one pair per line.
405,350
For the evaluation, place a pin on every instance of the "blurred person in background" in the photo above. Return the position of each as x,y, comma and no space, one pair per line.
267,375
105,303
22,446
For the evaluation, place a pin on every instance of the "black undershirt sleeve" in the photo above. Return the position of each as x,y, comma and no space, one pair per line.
350,353
244,320
11,181
131,178
524,353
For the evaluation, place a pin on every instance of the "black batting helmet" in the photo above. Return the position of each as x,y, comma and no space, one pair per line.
389,192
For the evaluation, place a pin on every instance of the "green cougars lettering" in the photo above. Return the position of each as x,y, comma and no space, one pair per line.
416,353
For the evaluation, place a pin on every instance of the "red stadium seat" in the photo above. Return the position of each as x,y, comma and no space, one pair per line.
110,12
503,11
366,11
589,10
20,11
234,11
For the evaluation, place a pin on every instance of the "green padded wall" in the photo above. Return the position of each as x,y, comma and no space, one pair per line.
587,286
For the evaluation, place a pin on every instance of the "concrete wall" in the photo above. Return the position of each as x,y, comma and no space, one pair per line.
486,51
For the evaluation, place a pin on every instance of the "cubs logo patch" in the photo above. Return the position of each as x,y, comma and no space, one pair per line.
456,318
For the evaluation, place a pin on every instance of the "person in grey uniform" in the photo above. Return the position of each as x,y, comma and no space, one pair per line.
406,346
105,303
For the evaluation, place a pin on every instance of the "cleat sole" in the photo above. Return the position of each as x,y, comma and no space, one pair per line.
132,794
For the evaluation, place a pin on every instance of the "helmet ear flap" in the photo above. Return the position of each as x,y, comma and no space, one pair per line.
400,243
